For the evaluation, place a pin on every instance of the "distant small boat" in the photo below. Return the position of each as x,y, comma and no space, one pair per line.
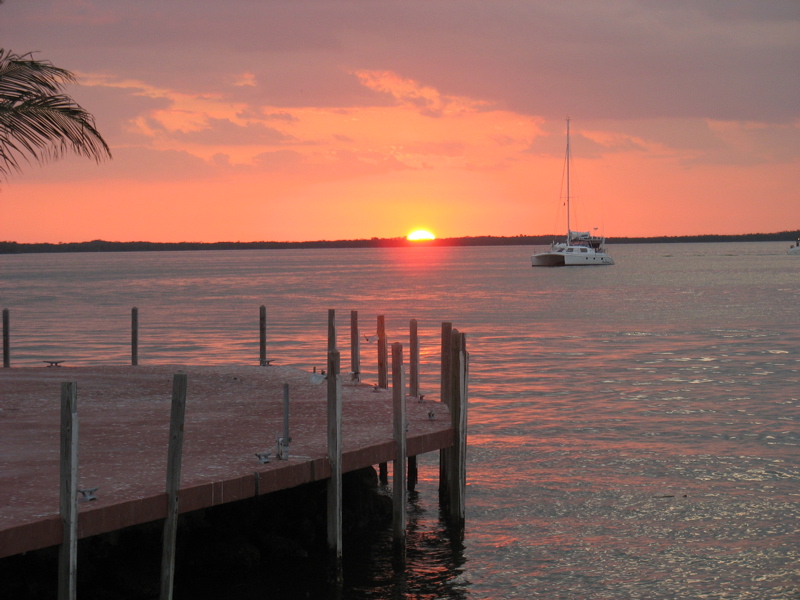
796,248
580,247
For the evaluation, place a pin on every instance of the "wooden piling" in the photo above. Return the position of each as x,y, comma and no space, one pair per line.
413,359
286,437
457,471
355,347
262,336
6,340
173,481
413,474
335,460
446,380
413,390
383,372
383,473
68,551
134,336
399,492
331,329
444,396
383,382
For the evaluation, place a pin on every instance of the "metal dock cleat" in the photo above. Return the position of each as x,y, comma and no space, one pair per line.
87,495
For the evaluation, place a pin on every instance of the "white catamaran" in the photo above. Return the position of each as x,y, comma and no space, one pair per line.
580,247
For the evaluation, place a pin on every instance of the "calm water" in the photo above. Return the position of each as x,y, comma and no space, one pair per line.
633,429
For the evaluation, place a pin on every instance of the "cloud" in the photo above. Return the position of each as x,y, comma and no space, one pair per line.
691,142
438,148
428,100
588,143
329,166
621,59
130,163
749,144
225,132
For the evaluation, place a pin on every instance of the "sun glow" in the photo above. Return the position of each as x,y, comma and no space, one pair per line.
420,234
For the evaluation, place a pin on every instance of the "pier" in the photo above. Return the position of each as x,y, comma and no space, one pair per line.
247,431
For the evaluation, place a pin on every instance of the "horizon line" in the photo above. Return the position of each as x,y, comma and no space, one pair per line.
7,247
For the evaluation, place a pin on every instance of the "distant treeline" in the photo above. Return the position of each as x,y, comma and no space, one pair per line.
520,240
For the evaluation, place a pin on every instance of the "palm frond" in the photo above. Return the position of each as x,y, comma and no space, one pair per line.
22,75
39,121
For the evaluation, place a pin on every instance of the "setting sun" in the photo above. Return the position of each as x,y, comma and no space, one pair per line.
420,234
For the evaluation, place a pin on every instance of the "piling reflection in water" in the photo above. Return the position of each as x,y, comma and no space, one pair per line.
434,560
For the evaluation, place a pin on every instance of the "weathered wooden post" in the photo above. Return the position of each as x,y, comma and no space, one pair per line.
444,397
383,473
68,552
6,340
134,336
262,336
174,453
383,374
331,329
286,437
335,460
383,383
413,385
413,474
355,347
413,359
457,482
447,342
282,443
399,493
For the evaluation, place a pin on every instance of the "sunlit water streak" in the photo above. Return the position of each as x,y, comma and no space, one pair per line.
633,429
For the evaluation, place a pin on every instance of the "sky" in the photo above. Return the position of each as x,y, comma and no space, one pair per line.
295,120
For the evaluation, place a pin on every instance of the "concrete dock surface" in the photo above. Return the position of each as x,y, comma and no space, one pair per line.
232,413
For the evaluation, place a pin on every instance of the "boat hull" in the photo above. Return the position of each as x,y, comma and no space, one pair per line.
570,259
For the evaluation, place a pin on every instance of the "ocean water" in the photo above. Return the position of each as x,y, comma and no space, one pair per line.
633,430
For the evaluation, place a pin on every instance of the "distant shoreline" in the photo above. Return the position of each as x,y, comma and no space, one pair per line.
520,240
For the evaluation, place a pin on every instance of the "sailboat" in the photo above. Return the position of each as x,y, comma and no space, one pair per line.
580,247
796,248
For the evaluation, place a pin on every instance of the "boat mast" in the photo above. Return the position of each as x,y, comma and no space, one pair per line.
568,224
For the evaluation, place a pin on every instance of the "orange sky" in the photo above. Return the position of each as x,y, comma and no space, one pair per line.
338,120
